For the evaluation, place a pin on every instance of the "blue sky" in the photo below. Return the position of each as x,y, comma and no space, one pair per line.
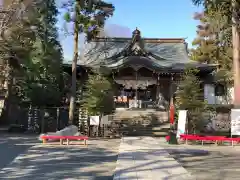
154,18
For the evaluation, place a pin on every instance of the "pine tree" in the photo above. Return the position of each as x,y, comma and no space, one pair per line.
88,17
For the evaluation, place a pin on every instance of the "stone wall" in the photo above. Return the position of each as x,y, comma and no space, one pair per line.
219,121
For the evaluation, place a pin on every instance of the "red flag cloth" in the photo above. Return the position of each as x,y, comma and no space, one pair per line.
171,114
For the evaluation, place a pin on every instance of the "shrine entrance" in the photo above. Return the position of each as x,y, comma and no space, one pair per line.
140,88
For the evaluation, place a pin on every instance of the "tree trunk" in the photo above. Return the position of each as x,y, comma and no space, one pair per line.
74,70
236,55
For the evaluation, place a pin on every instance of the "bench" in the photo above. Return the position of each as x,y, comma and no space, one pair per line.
194,137
183,137
232,140
203,139
62,138
216,139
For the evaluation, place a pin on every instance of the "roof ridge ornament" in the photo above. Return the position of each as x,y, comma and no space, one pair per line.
136,34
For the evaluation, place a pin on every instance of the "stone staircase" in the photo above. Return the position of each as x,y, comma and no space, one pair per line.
142,122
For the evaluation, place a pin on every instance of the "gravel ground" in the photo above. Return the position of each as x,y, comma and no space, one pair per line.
208,162
25,159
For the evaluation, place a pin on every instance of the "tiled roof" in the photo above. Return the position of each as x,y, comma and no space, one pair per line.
154,53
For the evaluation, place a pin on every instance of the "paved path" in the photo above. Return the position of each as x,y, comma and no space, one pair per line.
13,145
144,159
47,162
208,161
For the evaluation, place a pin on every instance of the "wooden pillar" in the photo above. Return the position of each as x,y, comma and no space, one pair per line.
136,85
171,89
158,86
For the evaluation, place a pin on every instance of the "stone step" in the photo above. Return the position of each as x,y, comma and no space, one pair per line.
142,122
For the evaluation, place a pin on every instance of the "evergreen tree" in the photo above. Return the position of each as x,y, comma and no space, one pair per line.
32,41
44,69
16,39
205,42
97,94
231,13
189,97
88,17
211,45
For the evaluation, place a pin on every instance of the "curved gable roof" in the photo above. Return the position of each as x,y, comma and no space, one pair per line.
118,52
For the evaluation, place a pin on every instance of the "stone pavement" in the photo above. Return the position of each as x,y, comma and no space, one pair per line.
208,161
33,161
142,158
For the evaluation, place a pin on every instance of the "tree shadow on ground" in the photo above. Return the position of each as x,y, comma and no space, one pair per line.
97,161
148,160
164,167
220,163
11,145
202,163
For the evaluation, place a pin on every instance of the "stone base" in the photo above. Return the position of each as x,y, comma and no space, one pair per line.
67,131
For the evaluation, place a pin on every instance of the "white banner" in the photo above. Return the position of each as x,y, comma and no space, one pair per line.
105,121
182,119
235,122
94,120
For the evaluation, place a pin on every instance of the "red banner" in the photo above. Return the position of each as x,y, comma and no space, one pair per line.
171,113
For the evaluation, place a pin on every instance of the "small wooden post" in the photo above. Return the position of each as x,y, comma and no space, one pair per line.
68,142
61,141
44,141
58,123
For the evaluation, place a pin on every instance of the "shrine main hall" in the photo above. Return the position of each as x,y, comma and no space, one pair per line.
145,71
